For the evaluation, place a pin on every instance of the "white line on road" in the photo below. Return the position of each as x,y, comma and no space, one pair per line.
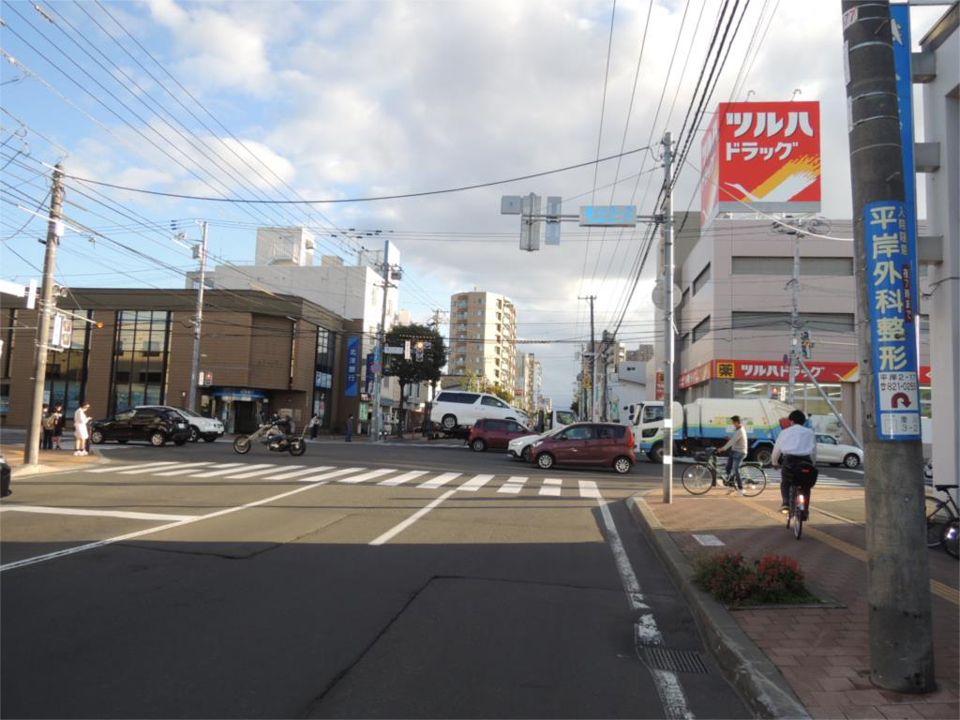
367,476
148,468
114,468
477,482
251,471
295,473
589,489
184,469
513,485
401,479
222,469
92,513
397,529
551,487
331,475
439,480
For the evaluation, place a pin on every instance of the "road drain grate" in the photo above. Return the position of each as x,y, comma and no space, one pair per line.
684,661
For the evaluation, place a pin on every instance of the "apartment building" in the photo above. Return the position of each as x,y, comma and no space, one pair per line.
483,338
528,391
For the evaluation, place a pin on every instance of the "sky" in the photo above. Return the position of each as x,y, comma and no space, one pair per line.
345,102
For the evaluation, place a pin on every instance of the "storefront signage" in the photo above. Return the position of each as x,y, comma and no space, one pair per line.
891,273
761,156
239,394
695,377
778,371
353,366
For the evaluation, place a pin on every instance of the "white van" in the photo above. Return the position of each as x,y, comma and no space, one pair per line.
455,408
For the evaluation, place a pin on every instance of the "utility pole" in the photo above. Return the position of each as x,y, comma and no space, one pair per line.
668,345
794,320
898,579
198,318
31,452
593,362
376,420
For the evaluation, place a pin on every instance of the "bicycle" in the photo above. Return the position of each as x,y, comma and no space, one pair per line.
942,520
798,511
698,478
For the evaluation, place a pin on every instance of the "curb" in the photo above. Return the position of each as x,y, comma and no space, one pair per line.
31,470
747,668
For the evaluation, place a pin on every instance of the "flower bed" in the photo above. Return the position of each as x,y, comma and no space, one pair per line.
771,580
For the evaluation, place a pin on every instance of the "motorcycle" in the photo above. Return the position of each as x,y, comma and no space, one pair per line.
276,435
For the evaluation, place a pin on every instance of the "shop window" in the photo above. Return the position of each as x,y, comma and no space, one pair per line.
141,349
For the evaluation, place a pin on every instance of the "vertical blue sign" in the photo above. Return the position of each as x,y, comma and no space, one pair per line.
353,366
892,281
900,19
368,379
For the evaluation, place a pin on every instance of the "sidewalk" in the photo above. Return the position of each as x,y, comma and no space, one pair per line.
820,665
49,460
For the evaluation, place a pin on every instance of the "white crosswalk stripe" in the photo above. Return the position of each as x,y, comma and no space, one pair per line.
183,469
222,469
137,467
264,469
589,489
367,476
551,487
438,481
477,482
330,475
401,479
513,485
288,474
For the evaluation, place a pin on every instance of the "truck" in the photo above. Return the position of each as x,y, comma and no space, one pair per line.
706,423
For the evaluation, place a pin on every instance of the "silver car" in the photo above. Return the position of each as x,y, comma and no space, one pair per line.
832,451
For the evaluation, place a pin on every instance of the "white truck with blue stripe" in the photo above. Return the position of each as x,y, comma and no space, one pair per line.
706,423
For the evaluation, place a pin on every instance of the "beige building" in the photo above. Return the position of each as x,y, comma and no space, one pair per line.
483,338
528,390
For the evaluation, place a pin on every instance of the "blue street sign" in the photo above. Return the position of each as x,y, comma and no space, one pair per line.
608,215
353,366
894,323
900,17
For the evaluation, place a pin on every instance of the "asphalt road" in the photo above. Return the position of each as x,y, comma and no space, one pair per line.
421,580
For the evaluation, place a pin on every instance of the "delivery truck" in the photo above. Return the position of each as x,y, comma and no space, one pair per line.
706,423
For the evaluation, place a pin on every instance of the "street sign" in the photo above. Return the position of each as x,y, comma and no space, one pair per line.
530,227
393,350
608,215
554,203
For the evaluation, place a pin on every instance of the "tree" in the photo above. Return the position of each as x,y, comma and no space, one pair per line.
500,391
427,355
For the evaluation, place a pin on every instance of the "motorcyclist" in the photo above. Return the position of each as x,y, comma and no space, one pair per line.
279,432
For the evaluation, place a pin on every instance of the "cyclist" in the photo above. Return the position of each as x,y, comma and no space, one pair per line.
737,445
795,444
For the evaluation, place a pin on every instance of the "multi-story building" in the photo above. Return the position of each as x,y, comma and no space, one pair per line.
528,391
483,338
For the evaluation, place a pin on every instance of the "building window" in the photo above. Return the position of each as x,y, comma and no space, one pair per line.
323,374
702,279
67,370
701,329
141,348
780,321
783,266
841,267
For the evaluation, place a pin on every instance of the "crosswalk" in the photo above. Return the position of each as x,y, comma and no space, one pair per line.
386,477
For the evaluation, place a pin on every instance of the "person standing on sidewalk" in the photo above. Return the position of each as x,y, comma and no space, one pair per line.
80,430
349,432
795,444
46,425
58,426
314,426
737,445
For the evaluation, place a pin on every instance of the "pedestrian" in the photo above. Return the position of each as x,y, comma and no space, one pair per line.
314,426
81,432
349,432
61,420
46,427
5,474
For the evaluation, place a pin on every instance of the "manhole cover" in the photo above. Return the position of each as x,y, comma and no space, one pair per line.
684,661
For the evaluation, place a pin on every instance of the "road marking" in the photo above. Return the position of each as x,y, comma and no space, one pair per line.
439,480
184,469
295,473
513,485
477,482
92,513
401,479
149,531
646,632
367,475
331,475
397,529
263,471
114,468
148,468
222,469
589,489
551,487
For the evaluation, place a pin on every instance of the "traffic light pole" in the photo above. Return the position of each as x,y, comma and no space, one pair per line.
31,451
197,320
668,345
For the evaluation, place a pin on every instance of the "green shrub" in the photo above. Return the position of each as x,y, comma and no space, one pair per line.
773,579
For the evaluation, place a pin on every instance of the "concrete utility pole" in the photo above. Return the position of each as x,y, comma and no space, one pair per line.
198,319
593,362
668,345
898,579
31,451
376,420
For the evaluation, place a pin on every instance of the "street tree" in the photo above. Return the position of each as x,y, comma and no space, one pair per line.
428,354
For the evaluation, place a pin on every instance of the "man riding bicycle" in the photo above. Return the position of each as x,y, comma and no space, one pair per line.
796,444
737,445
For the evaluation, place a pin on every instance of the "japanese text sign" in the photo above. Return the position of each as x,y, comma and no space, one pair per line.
891,278
353,366
762,156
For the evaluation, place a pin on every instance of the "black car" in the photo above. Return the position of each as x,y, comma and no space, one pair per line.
155,425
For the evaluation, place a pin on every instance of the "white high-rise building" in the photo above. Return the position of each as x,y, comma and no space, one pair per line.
483,338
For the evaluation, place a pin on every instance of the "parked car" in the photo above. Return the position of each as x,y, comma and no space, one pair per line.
521,448
603,444
832,451
155,425
488,433
200,426
452,409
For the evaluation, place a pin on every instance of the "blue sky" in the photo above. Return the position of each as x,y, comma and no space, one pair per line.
337,100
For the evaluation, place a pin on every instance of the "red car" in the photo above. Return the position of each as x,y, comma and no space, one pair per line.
491,433
603,444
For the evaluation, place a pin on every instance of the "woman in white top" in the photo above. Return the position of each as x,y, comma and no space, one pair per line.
80,431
